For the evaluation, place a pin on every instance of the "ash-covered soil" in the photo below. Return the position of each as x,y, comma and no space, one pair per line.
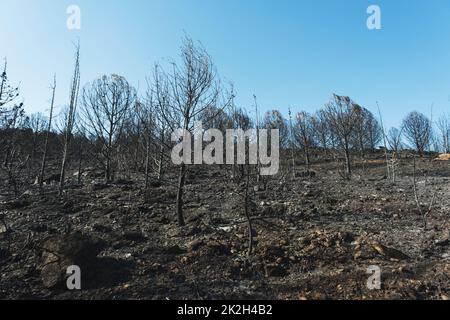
315,237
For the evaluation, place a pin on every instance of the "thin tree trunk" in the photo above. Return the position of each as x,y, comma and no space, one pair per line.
348,169
161,157
63,169
307,161
147,163
47,136
247,215
70,119
80,160
385,142
181,183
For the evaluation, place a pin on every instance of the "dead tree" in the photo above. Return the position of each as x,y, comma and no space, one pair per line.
106,103
70,118
194,87
239,120
9,116
321,130
15,159
81,135
47,135
159,99
292,142
304,135
247,212
423,213
8,93
13,120
418,131
340,114
37,124
394,139
147,117
388,166
367,132
443,125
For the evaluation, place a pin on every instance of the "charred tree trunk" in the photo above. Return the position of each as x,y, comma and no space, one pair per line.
47,136
307,159
348,169
75,86
161,157
181,183
147,163
80,161
247,215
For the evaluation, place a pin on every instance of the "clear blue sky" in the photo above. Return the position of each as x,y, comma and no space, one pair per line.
289,53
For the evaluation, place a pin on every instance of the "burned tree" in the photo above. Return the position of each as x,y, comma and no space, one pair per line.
8,93
321,130
394,139
106,103
194,88
47,135
70,118
274,120
368,132
443,125
341,114
10,116
36,126
304,135
418,130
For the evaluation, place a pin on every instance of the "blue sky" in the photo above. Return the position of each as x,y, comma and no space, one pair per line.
289,53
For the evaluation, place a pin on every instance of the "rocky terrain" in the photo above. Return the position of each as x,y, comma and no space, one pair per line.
314,236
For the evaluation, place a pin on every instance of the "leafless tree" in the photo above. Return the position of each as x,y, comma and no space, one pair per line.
8,93
394,139
37,125
12,114
47,135
106,103
321,130
390,163
341,114
304,134
274,120
70,118
247,211
417,129
443,125
194,88
154,138
13,119
424,213
16,159
292,142
239,119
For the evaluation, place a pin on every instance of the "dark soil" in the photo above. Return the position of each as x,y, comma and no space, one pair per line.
315,236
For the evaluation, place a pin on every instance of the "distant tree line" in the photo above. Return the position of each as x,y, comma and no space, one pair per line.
106,124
